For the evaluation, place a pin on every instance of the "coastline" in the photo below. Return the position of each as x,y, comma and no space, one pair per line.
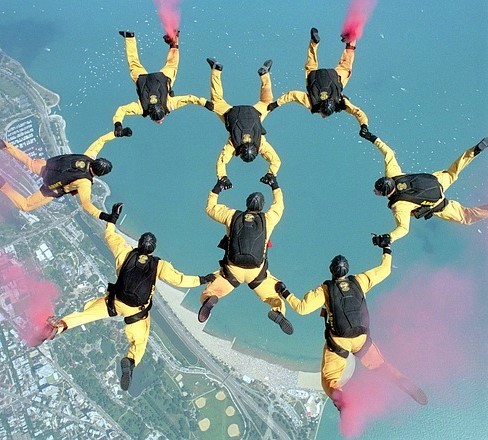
246,361
272,374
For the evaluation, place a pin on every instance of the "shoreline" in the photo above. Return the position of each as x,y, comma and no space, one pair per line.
272,374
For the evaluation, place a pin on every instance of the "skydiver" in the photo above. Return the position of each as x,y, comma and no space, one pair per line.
344,308
422,195
243,122
131,296
245,244
65,174
156,96
325,86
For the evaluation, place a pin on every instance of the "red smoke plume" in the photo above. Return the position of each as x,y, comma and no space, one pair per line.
356,18
425,320
169,14
29,300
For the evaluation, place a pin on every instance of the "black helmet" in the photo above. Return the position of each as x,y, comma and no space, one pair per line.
255,202
384,186
156,112
339,266
147,243
248,152
101,166
327,107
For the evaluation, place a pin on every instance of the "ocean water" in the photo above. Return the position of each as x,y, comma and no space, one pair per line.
420,75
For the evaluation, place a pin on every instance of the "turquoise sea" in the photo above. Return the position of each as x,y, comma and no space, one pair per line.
421,76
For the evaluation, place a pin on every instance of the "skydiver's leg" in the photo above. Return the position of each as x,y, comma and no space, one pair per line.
137,335
457,213
312,62
217,94
265,96
93,311
30,203
333,367
447,177
344,68
170,69
266,293
220,288
373,360
34,165
135,66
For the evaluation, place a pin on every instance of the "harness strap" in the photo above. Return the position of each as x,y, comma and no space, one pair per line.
109,300
139,315
332,345
359,354
427,211
227,274
261,276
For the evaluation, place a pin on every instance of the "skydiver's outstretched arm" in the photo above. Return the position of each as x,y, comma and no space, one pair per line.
367,280
95,148
131,109
176,102
295,96
270,155
392,168
356,112
226,154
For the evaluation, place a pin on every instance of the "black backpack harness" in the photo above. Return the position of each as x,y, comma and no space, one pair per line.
62,170
134,285
245,246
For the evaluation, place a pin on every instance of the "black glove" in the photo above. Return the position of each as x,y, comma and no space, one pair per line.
114,215
223,183
270,179
366,134
205,279
118,129
126,132
381,241
209,105
271,106
2,144
280,289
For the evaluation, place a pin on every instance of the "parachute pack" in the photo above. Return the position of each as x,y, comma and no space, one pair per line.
136,279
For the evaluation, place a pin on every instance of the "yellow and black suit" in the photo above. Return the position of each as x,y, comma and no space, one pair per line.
453,210
169,70
343,69
138,332
333,364
82,186
221,107
221,286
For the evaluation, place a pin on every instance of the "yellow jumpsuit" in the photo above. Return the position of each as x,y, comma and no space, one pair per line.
138,332
170,69
221,287
36,200
343,69
453,211
221,107
333,365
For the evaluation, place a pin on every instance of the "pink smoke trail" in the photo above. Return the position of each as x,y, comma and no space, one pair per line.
31,298
169,14
425,320
356,18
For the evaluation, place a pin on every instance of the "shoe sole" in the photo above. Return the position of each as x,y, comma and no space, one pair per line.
206,309
284,324
125,379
